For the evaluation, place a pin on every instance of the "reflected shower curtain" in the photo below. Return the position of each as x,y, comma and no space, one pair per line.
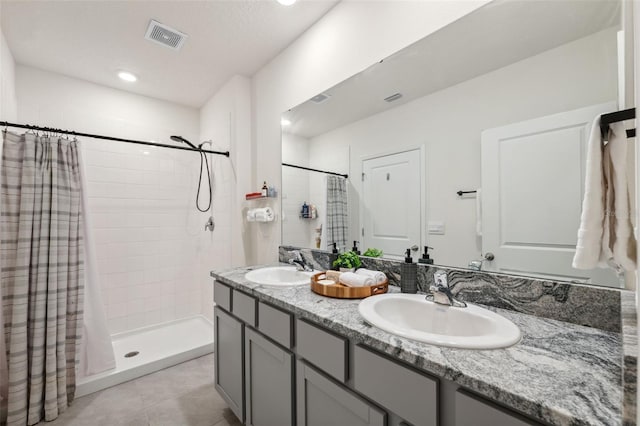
42,274
337,227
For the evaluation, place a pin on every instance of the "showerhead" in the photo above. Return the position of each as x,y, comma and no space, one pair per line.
183,140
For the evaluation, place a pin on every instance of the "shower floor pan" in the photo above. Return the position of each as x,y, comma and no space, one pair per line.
158,347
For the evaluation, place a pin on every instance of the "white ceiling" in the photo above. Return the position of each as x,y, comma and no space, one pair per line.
92,40
494,36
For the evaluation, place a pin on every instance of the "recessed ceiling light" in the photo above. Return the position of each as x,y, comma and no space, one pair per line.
127,76
285,122
286,2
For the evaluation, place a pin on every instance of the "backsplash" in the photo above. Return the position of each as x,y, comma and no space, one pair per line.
597,307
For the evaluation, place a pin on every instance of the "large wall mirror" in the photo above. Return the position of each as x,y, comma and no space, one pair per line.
471,141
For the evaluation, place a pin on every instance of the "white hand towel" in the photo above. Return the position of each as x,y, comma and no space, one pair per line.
590,233
251,215
621,248
352,279
605,237
377,276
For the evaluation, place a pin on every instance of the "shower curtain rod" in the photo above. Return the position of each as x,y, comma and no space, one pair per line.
108,138
315,170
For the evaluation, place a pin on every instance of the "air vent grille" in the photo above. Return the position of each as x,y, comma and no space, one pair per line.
393,97
320,98
164,35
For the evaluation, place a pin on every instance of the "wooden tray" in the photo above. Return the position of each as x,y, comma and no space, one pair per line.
340,291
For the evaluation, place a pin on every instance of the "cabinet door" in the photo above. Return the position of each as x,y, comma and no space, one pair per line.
269,382
323,402
229,341
472,411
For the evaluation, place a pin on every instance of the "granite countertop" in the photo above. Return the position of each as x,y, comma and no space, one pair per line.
560,373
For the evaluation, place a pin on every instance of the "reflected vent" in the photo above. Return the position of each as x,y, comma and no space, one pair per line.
164,35
393,97
318,99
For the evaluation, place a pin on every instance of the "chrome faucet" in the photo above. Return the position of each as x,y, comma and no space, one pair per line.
299,261
475,265
441,293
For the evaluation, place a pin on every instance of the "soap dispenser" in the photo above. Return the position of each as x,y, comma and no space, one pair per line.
355,248
409,275
334,254
335,248
425,256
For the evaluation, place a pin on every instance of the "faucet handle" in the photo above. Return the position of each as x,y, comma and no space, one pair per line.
440,277
296,255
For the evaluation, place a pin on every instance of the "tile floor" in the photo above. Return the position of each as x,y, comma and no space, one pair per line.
183,395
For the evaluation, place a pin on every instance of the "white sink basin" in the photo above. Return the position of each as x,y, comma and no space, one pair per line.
413,317
279,275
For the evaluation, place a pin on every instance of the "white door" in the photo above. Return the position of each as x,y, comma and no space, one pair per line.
391,198
532,186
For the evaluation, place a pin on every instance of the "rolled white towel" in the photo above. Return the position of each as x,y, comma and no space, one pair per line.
251,215
352,279
377,276
264,214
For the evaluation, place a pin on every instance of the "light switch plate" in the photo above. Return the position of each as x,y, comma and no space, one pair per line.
435,228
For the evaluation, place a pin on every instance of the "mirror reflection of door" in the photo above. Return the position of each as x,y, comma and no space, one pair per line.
532,185
391,197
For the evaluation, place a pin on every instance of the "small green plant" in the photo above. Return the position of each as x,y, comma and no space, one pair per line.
373,252
348,259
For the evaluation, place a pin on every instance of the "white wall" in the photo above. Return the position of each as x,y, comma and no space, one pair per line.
141,199
8,103
449,124
348,39
225,119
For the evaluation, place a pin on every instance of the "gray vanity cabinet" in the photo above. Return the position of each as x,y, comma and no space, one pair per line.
402,390
322,402
229,369
268,382
473,411
276,369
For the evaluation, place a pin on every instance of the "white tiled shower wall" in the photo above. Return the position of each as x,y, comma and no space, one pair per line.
153,254
296,231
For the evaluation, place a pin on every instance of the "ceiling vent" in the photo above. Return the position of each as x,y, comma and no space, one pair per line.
318,99
393,97
164,35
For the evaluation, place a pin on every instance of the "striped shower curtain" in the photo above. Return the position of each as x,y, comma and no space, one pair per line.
337,227
41,274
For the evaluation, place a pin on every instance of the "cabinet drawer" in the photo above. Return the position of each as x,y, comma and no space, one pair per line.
275,324
473,411
323,349
244,307
222,295
404,391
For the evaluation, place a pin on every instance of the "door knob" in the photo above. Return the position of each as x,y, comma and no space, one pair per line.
489,256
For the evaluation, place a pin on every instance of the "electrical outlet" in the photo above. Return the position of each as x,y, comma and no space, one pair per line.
435,228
